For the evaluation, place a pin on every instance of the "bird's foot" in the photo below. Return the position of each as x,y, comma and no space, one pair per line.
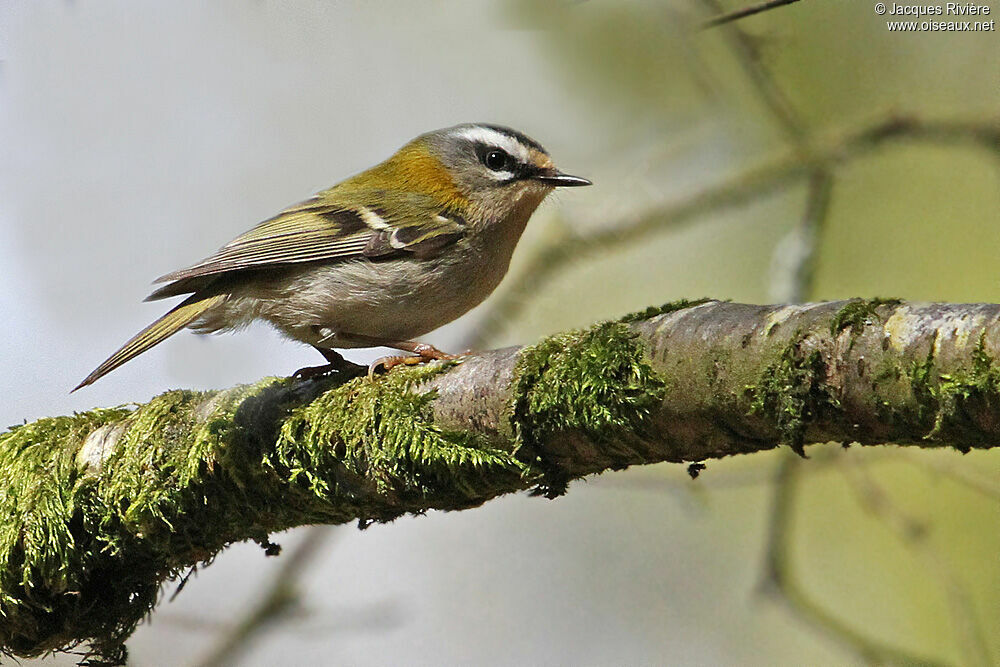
313,372
386,364
430,353
337,365
423,352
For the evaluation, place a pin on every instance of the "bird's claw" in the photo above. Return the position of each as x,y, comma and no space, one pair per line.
335,367
313,372
424,353
386,364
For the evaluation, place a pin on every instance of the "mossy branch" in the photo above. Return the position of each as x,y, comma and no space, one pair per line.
100,508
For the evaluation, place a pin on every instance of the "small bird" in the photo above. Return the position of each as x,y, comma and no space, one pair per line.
380,259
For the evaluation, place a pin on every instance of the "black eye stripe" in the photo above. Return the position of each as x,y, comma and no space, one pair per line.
498,160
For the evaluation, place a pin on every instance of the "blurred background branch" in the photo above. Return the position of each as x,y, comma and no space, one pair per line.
280,601
912,531
780,578
748,55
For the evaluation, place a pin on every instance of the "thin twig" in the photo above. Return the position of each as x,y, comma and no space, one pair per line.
795,257
737,14
748,55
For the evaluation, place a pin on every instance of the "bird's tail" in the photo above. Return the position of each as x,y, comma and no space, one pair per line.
175,320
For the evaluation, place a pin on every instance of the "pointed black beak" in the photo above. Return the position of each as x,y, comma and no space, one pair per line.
559,179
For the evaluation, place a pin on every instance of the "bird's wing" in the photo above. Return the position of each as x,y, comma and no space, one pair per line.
323,228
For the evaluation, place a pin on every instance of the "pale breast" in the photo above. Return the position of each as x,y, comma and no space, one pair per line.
398,299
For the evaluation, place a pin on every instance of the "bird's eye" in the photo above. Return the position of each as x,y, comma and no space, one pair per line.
496,159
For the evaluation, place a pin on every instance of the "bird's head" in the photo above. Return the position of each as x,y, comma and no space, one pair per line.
493,171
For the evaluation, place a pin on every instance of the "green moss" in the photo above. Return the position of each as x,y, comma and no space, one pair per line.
792,391
150,463
42,542
857,314
88,537
653,311
953,402
85,545
594,382
379,436
968,391
923,384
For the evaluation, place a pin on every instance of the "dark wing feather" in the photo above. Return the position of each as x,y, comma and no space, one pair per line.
323,228
307,232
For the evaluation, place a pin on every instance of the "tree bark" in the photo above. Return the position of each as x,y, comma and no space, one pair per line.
100,508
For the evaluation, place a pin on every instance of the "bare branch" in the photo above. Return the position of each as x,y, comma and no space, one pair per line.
988,487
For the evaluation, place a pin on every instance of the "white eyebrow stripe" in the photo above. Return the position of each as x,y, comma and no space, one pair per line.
491,137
